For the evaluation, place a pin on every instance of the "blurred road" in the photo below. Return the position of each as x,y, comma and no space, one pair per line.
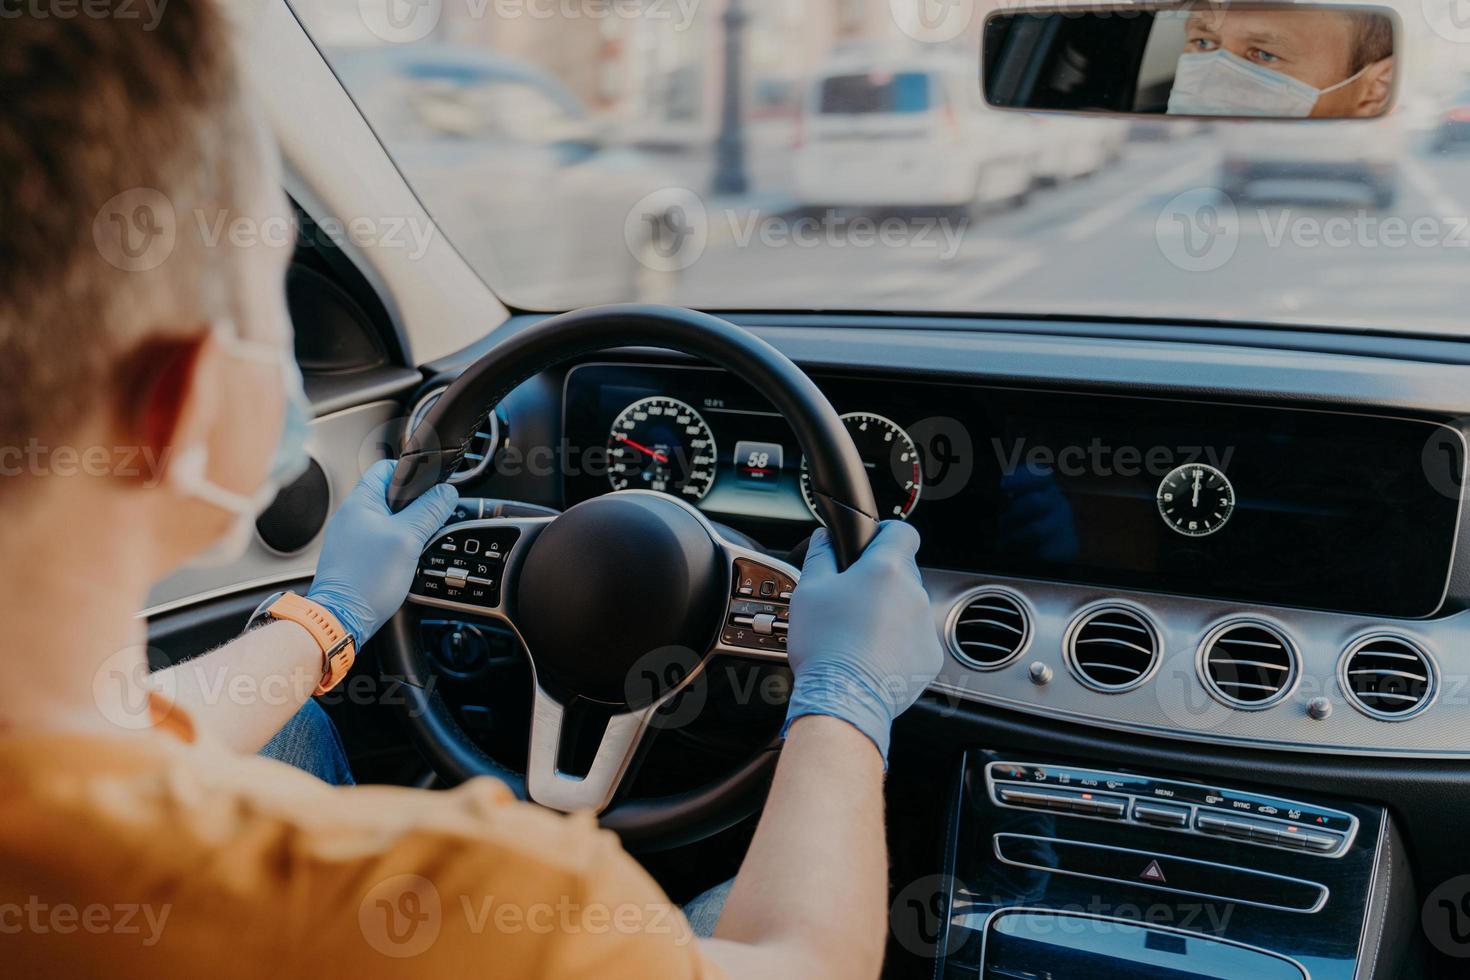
1151,235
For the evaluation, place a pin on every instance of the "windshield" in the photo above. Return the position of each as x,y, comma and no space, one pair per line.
839,155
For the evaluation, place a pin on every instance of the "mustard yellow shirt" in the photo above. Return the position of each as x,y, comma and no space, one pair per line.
155,855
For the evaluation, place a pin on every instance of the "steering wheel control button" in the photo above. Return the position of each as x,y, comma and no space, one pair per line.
464,566
758,624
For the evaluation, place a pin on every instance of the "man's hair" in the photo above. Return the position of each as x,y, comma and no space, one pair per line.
114,130
1372,35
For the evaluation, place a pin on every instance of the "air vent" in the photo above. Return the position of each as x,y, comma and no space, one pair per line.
1248,665
1387,677
988,629
481,450
1113,649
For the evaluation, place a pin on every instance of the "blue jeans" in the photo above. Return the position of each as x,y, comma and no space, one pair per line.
704,911
310,742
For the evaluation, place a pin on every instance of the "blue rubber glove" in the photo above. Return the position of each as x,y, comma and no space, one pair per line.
370,555
863,645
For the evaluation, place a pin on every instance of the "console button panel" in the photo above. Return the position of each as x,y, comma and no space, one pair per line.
1164,872
1189,808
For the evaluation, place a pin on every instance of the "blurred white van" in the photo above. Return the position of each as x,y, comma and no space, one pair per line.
903,131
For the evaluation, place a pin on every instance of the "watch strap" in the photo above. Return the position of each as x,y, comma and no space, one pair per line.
339,651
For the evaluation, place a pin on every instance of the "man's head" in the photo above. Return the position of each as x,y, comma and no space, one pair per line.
128,153
1319,46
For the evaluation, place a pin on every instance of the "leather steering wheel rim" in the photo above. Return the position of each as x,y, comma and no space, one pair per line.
839,483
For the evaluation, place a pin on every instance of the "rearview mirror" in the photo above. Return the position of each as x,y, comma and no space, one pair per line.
1243,60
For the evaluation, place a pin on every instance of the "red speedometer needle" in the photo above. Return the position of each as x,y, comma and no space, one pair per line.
658,457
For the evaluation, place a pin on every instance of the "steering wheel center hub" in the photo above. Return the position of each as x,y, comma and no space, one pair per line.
620,597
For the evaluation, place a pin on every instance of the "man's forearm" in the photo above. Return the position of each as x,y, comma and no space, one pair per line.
244,692
811,897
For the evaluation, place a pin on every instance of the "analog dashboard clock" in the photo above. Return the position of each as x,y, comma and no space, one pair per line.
1196,500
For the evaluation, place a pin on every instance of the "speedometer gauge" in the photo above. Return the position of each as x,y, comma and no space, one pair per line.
662,444
892,462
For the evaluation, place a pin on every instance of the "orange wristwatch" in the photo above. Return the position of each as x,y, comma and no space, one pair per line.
339,651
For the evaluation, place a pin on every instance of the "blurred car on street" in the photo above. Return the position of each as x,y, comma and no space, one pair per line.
502,153
1343,160
1454,125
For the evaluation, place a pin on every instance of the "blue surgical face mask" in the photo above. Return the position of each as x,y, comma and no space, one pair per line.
189,472
1219,83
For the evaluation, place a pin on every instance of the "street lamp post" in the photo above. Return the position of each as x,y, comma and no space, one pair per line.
730,174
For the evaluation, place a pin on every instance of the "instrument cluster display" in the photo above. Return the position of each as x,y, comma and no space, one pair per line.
701,435
1259,504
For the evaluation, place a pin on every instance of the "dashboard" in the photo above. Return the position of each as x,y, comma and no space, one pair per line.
1295,508
1179,565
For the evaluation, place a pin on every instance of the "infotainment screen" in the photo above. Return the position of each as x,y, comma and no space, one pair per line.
1264,504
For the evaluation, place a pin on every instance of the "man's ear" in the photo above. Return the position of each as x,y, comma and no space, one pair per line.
1376,87
160,391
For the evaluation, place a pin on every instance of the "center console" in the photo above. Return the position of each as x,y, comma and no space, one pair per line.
1065,871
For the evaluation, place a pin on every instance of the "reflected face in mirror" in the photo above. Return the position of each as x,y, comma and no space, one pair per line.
1285,62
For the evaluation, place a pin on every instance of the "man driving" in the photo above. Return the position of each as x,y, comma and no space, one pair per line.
1274,62
140,833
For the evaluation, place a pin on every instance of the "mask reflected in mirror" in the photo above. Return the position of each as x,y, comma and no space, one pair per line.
1250,61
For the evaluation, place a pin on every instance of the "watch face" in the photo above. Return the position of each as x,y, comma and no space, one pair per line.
1196,500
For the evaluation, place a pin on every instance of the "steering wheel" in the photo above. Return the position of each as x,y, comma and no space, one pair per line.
621,601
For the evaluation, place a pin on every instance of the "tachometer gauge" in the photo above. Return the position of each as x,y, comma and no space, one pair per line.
892,462
662,444
1196,500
